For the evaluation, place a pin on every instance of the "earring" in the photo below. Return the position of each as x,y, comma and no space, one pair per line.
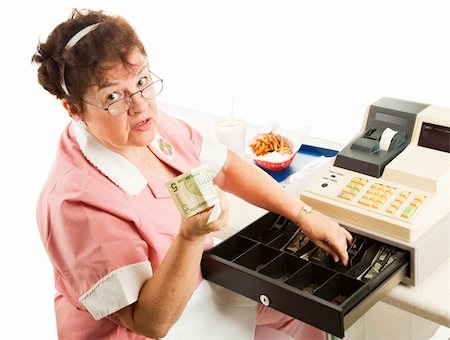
82,124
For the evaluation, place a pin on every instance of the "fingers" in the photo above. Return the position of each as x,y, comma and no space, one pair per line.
337,251
336,243
345,239
212,219
215,217
220,222
341,254
214,213
327,234
348,236
329,250
224,204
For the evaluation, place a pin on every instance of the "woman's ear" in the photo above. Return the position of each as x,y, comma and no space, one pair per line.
74,110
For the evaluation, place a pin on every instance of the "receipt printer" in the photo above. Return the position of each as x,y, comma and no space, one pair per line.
388,130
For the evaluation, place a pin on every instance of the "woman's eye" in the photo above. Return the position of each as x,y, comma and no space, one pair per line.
142,81
112,97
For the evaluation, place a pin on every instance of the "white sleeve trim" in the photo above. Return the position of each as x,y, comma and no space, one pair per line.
116,290
213,154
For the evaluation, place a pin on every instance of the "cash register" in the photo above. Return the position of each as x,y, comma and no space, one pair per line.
390,187
391,182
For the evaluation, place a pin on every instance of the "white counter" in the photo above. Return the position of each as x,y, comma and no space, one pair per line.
429,300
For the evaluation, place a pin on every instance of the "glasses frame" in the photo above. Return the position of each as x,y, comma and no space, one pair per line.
128,98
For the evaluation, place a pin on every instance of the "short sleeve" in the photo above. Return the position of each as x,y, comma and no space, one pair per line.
116,290
98,251
213,154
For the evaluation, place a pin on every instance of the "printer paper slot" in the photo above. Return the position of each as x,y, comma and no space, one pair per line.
367,145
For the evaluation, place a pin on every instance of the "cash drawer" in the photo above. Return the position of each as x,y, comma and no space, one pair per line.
271,261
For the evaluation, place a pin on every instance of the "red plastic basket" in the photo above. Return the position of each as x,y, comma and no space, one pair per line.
272,166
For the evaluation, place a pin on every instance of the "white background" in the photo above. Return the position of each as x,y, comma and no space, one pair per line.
301,63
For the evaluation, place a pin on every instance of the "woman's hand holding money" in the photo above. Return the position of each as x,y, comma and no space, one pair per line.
197,227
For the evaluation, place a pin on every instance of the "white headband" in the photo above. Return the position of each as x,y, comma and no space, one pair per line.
71,43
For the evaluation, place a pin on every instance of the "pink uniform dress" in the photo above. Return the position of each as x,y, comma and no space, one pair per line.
107,226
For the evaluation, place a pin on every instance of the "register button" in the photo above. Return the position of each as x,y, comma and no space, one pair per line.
409,211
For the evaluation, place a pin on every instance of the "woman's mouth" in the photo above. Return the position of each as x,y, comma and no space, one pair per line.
143,125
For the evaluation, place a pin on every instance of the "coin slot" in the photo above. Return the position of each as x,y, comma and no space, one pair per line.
368,259
283,267
306,250
339,289
267,229
257,257
233,247
310,278
280,241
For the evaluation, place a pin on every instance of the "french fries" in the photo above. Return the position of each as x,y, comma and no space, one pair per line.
270,142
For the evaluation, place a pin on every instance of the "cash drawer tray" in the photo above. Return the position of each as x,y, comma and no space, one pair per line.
263,263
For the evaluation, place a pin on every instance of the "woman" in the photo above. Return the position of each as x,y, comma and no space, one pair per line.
126,263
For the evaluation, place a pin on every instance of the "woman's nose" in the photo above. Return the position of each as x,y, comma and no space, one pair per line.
137,103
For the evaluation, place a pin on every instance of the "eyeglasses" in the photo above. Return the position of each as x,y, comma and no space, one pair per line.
123,105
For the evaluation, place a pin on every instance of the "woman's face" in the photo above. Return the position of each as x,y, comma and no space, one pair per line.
135,127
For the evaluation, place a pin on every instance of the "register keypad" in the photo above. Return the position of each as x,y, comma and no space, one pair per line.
353,188
378,194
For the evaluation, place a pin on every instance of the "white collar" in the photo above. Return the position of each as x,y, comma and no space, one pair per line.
113,165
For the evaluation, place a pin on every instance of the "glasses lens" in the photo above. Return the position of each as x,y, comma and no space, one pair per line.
119,107
152,90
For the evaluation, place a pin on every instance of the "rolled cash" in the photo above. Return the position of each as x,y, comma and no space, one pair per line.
193,191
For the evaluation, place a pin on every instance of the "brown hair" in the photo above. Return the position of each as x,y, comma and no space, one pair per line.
85,63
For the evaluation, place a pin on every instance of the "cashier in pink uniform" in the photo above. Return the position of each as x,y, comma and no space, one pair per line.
126,264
